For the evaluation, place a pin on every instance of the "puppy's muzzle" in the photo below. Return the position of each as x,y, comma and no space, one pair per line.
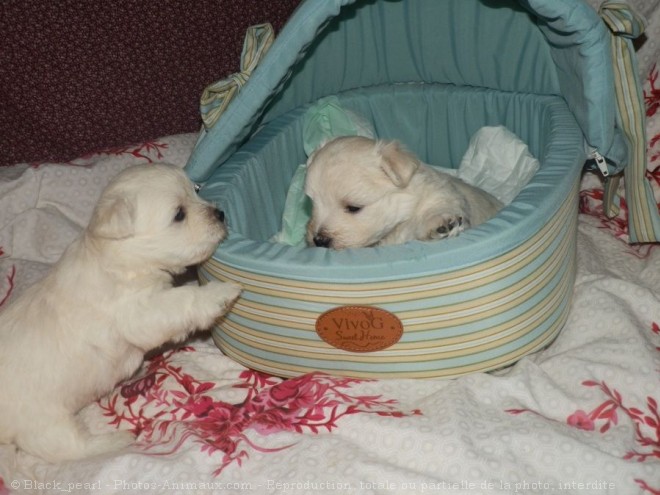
321,240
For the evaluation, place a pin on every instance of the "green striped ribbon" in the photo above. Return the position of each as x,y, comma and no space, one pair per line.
643,216
216,97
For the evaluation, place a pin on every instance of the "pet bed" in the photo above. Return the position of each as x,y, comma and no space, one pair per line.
430,74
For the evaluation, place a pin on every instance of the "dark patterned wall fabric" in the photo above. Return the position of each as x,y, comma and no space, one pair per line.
78,76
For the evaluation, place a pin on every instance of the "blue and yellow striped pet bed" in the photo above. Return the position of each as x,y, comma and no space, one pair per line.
428,73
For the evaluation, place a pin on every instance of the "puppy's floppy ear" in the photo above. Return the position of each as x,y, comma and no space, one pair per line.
113,218
398,163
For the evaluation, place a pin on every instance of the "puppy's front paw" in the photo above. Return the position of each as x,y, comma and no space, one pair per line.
449,225
228,292
217,297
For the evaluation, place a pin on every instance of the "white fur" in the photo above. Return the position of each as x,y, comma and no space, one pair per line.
399,198
71,337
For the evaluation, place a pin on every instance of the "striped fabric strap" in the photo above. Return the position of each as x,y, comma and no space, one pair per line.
216,97
643,215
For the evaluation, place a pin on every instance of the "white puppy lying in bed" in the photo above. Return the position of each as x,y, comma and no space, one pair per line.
368,193
72,336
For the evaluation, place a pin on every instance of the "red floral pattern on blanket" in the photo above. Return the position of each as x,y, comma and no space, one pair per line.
146,152
645,420
166,406
149,151
606,414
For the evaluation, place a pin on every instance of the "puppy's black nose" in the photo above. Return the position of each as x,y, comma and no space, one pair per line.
322,241
219,214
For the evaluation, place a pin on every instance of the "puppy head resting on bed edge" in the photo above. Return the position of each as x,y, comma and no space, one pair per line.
366,193
68,339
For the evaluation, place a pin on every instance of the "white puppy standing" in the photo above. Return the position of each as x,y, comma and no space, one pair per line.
71,337
368,193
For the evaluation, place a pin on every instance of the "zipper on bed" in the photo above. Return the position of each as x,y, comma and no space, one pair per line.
600,162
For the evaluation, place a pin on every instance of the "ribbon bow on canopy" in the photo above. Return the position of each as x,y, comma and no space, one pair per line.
216,97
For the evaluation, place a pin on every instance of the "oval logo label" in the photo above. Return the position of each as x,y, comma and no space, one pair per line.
359,328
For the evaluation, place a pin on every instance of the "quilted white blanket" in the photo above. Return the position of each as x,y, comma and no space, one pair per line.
580,417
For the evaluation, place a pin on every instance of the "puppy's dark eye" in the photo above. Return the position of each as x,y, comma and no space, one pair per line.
353,208
180,214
